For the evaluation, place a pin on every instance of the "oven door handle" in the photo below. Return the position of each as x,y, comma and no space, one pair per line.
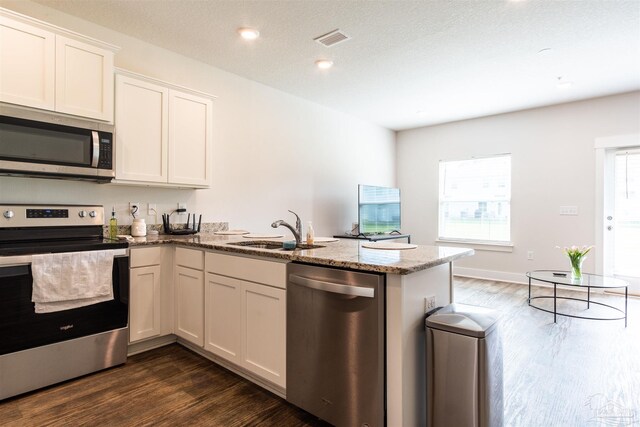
10,261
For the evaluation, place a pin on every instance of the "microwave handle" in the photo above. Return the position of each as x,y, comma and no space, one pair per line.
96,149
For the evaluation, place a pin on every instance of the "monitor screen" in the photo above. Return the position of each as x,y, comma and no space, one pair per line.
378,209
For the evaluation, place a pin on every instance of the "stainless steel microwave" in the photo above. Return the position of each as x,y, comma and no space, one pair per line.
44,145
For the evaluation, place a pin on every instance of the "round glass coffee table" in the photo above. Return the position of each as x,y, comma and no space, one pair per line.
588,281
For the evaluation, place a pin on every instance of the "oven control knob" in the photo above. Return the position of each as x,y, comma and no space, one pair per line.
82,214
8,214
92,214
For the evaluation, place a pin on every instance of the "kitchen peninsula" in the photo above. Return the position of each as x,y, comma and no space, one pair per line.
411,276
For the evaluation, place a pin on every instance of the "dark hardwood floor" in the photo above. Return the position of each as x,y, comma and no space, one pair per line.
573,373
170,386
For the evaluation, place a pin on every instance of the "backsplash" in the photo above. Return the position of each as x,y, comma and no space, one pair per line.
205,227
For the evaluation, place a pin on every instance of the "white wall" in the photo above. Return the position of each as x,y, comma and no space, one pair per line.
272,151
553,165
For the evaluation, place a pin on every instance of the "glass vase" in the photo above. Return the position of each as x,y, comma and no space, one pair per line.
576,268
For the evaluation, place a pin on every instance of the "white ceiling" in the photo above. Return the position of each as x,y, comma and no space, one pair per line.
451,60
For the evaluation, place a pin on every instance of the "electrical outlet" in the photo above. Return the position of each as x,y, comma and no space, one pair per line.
429,303
182,207
134,208
151,209
530,255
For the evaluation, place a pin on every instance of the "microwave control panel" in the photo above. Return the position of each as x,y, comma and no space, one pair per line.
105,160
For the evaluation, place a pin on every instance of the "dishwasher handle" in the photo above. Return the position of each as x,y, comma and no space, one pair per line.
335,288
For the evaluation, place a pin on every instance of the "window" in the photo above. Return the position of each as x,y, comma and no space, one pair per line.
475,200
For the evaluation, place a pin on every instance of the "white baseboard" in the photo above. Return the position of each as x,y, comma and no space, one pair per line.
150,344
519,278
498,276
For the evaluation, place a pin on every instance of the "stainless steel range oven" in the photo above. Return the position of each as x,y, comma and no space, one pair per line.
40,349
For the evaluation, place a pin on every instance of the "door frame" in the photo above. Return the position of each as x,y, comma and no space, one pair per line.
605,149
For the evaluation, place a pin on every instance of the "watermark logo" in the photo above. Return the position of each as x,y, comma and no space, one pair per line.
609,413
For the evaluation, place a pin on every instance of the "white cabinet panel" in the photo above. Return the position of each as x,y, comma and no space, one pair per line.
264,331
84,79
269,272
192,258
142,257
144,303
190,137
222,317
246,319
163,135
141,130
27,65
189,294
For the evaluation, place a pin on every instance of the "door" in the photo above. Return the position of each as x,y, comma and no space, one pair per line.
622,215
27,65
223,317
84,79
189,294
264,331
190,137
144,305
142,130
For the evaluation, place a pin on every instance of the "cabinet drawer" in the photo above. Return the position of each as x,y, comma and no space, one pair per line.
191,258
142,257
272,273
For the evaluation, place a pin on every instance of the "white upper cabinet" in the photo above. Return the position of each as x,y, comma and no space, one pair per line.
164,133
84,79
50,68
27,65
190,137
141,130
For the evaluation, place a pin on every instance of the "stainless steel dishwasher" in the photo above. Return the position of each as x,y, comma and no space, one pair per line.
335,344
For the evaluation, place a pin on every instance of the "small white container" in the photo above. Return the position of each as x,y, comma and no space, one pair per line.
139,228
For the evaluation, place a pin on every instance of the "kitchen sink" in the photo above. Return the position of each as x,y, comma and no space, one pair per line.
260,244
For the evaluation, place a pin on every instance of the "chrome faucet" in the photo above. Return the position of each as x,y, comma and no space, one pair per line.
297,232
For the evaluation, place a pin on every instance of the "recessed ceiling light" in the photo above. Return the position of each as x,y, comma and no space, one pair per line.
248,33
324,63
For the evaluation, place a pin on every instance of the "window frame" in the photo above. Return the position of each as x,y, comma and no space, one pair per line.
483,244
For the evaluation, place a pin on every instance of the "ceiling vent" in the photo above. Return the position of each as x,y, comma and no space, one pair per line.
332,38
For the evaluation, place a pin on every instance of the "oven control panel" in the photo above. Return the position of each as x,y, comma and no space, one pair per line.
50,215
47,213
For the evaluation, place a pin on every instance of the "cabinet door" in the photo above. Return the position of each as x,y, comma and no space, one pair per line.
190,136
141,130
189,294
144,303
264,331
84,79
27,65
223,316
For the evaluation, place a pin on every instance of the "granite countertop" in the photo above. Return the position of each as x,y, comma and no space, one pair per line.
347,253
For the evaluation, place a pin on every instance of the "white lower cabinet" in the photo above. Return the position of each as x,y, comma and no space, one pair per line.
144,306
145,318
264,331
189,295
223,305
189,288
245,320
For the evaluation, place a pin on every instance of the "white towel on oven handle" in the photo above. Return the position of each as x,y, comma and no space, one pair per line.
69,280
